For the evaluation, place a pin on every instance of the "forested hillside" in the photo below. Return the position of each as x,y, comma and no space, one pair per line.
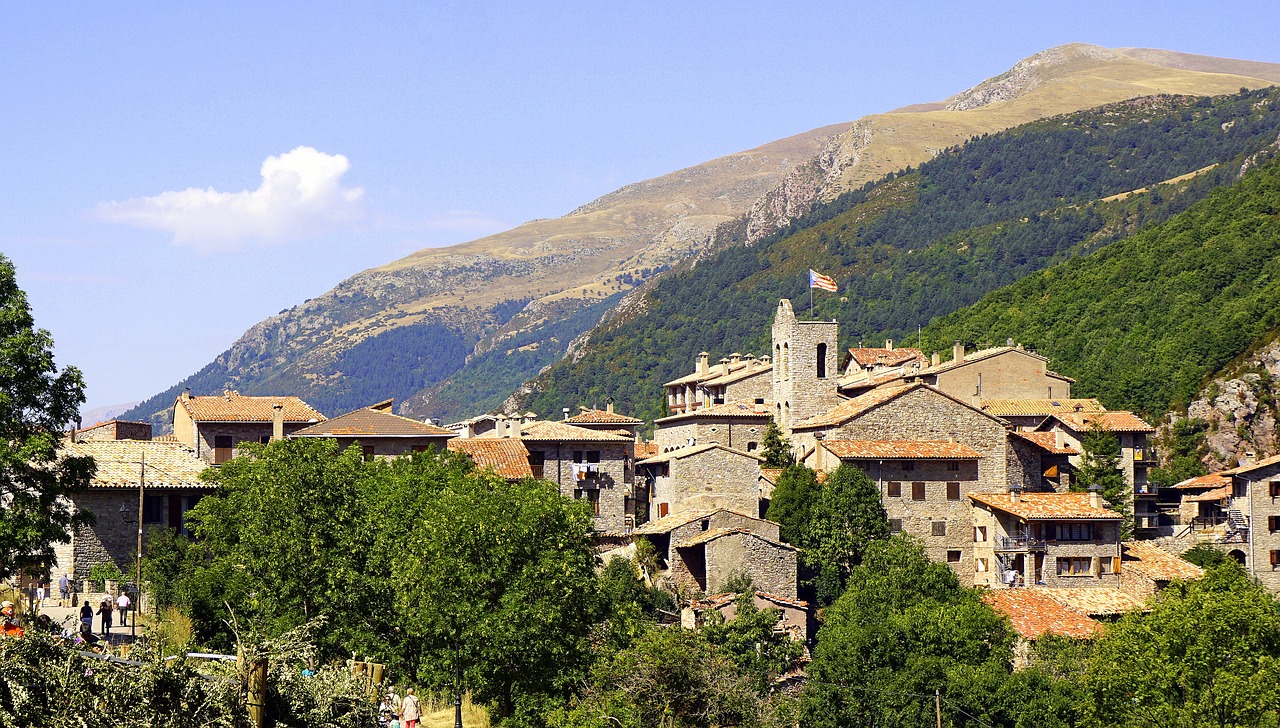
925,242
1141,324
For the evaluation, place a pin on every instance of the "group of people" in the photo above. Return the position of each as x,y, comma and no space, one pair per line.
106,610
398,712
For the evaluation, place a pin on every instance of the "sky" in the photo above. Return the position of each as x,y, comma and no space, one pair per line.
175,172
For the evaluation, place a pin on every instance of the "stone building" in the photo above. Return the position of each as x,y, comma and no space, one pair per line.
704,476
477,426
379,432
213,425
505,457
606,420
1029,413
1050,539
739,425
1033,614
1003,372
115,430
166,472
737,378
1251,532
1136,456
1146,569
793,614
804,367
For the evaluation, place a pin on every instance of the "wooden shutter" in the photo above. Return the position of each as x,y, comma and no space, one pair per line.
953,491
895,489
917,491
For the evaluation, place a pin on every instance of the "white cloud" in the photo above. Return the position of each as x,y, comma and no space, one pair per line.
300,195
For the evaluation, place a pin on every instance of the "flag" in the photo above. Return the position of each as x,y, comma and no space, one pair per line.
817,280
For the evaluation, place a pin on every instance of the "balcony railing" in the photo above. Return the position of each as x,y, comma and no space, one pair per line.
1019,543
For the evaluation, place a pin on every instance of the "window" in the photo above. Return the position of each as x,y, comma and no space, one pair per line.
894,489
706,524
980,565
368,452
1275,558
953,465
895,525
222,448
953,557
153,509
264,439
953,491
588,456
592,496
751,446
917,491
1075,565
1109,565
822,361
1273,523
537,462
980,533
908,465
939,528
663,509
1275,488
1071,531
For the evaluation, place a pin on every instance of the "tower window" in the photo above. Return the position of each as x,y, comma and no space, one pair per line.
822,361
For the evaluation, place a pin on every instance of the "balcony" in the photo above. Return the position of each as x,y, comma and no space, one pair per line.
1019,543
1143,456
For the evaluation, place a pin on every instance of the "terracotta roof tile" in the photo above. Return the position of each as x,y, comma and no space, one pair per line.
1097,601
975,356
234,407
846,411
719,600
170,464
371,422
1117,421
505,456
771,474
1036,407
1217,494
551,431
870,356
1155,563
645,450
729,409
1046,441
861,380
1249,467
1033,613
737,375
1210,480
899,449
1046,506
602,417
676,519
685,452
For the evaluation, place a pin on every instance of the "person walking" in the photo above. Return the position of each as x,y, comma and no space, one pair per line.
410,710
64,589
39,597
105,610
86,617
122,605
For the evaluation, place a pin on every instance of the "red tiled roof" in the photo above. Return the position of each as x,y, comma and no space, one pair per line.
1046,506
550,431
868,356
738,374
371,422
1036,407
1094,601
1046,441
1249,467
601,417
1154,563
232,406
730,409
1211,480
1033,613
505,456
645,450
899,450
1117,421
771,474
846,411
1217,494
170,464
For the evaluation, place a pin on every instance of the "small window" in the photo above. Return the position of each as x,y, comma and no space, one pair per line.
1275,488
953,491
577,456
894,489
368,452
908,465
264,439
223,441
715,429
822,361
917,491
1273,523
593,456
1275,558
953,465
1075,565
953,557
154,508
759,400
593,497
222,449
980,565
706,524
980,534
1107,565
895,525
939,528
752,446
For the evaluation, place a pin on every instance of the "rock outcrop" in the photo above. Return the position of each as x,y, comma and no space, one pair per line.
1240,406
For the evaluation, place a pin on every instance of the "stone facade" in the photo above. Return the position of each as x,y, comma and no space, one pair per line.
1007,372
735,431
1070,553
1256,496
112,538
703,477
116,430
217,442
707,564
804,367
607,482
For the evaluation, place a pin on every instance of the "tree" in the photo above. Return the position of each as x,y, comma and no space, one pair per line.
1184,446
776,449
846,518
750,639
1206,557
792,500
36,402
1207,654
1100,469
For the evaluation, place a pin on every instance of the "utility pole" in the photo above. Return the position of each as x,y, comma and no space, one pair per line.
457,687
137,584
937,705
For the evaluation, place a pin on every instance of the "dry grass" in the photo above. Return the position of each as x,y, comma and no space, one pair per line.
438,713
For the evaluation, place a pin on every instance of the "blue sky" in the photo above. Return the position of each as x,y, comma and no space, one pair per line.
423,124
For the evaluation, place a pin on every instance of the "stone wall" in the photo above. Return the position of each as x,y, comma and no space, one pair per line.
614,484
1025,466
109,539
1013,374
1262,509
918,517
207,433
798,391
711,479
772,568
736,432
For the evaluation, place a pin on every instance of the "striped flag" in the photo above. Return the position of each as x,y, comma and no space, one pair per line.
817,280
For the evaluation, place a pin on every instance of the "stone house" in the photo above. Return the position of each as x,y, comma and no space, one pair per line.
1029,413
475,427
1252,528
874,360
704,476
379,432
165,471
1003,372
115,430
1033,614
1055,459
1146,569
737,378
793,614
739,425
506,457
701,550
1136,456
213,425
1201,501
606,420
1051,539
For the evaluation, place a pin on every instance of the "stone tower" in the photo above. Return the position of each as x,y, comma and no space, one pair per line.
804,366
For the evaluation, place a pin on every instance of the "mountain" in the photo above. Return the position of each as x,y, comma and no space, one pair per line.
925,242
454,330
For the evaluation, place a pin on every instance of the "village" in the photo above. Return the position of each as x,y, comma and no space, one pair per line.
974,456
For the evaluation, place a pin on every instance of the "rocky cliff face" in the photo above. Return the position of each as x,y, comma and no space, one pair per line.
1240,406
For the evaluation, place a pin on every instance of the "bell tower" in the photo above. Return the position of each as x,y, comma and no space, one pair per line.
804,366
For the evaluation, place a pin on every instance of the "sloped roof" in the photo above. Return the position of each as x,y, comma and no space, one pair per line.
373,422
170,464
737,374
846,411
1097,601
1046,506
716,533
1116,421
981,354
645,450
1155,563
551,431
231,406
899,450
1210,480
716,601
676,519
1046,441
771,474
1217,494
507,457
1249,467
728,409
684,452
602,417
1036,407
867,356
1033,614
862,379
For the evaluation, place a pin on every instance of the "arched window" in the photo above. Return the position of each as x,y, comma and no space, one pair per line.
786,360
822,361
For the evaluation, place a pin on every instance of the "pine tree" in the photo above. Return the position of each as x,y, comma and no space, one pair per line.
777,450
1101,469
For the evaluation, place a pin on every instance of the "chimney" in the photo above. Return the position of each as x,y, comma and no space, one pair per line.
935,359
957,352
608,405
565,411
1015,495
186,394
735,357
888,344
277,422
1250,457
701,366
1009,341
1095,497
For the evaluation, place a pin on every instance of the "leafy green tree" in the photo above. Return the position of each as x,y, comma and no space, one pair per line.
793,498
1100,468
846,518
1206,557
776,449
36,403
1184,446
758,650
1208,654
630,606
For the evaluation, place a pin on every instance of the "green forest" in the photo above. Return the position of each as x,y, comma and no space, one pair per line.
925,242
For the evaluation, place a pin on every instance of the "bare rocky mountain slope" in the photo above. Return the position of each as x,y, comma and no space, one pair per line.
509,304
